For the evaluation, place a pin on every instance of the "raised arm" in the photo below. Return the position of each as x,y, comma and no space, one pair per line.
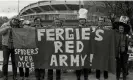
4,29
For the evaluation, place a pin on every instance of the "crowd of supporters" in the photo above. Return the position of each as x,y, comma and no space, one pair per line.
122,30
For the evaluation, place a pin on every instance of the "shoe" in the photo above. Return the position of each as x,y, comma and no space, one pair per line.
41,78
124,78
15,78
78,78
26,78
58,77
86,78
5,78
37,78
50,79
117,78
21,78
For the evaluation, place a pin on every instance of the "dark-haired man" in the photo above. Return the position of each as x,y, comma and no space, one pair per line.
7,44
39,72
82,23
57,23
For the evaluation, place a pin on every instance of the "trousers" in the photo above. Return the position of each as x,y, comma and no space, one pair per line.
39,73
86,73
6,53
50,74
22,73
98,74
121,65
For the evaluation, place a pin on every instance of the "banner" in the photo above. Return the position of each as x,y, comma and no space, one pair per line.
65,48
24,57
104,51
24,38
25,46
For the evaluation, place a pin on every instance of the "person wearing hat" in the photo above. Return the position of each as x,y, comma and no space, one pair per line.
82,17
122,41
82,23
7,44
24,75
26,24
21,22
57,23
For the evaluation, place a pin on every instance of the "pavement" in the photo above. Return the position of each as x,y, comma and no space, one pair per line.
72,76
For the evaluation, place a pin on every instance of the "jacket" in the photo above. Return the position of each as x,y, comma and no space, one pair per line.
5,33
117,38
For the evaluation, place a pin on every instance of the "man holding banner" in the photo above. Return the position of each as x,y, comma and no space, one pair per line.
64,48
98,72
82,23
122,42
58,23
39,73
24,75
8,48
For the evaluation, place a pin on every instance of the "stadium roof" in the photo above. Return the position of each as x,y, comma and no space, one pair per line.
47,6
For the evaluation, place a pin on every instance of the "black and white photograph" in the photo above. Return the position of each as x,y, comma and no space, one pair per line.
66,40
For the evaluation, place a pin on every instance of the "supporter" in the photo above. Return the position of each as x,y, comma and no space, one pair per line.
98,72
8,48
122,41
39,72
21,22
37,22
24,75
57,23
82,23
26,24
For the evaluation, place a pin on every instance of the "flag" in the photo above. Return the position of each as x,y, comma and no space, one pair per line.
24,38
104,52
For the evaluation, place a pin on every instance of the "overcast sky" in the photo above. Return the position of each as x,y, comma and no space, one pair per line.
9,8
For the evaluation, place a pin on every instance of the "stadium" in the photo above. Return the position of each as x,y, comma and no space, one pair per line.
66,10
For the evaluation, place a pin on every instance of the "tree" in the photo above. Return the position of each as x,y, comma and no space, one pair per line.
3,20
117,8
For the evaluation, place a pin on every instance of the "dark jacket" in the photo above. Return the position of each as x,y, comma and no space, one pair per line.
117,42
5,33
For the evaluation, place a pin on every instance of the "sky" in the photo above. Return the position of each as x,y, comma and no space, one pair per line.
9,8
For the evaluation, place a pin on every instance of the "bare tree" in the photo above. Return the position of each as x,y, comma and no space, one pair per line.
117,8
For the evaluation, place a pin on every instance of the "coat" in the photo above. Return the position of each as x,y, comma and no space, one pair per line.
117,38
5,33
